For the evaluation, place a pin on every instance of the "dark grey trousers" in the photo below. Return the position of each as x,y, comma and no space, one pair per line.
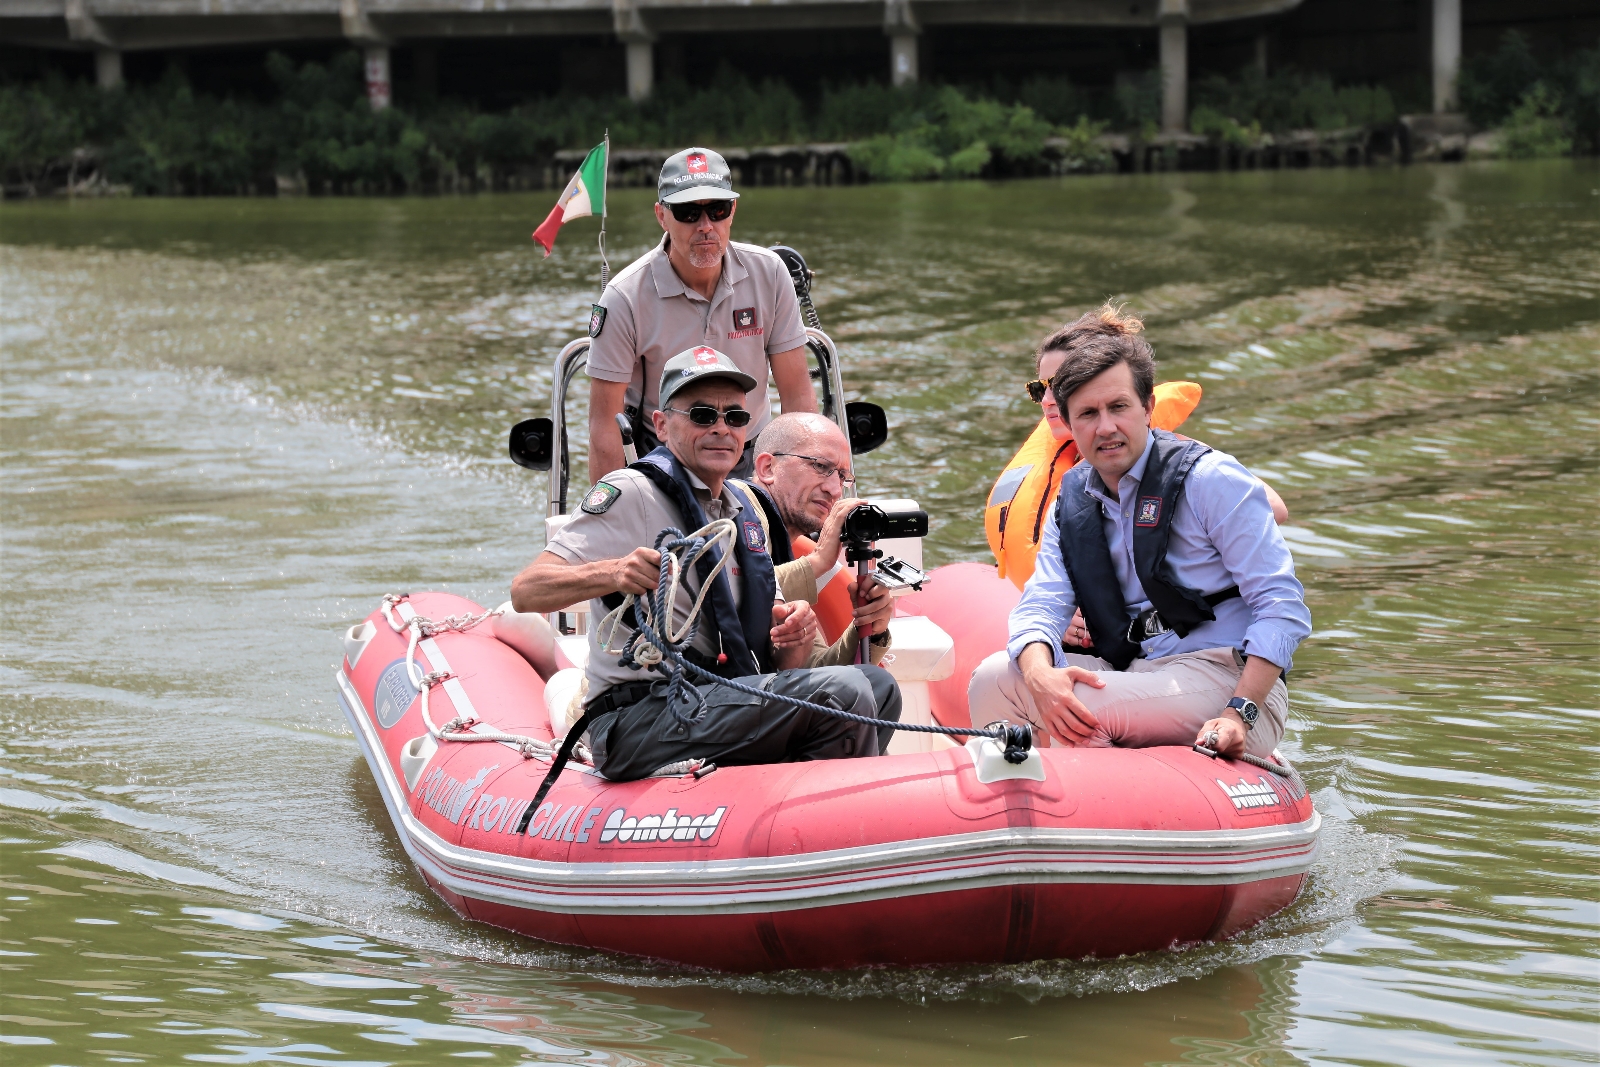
739,729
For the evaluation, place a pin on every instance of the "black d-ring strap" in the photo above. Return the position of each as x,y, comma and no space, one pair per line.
612,700
560,762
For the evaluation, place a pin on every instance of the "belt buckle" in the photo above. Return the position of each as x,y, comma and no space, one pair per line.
1148,624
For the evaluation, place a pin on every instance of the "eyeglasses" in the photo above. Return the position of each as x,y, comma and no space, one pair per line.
705,415
689,214
1037,389
822,467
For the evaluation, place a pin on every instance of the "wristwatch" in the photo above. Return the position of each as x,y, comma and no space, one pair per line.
1247,710
879,638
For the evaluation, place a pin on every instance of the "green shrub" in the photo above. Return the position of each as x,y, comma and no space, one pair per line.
1535,128
1139,100
1490,86
898,157
1209,122
1080,149
1286,100
969,161
43,125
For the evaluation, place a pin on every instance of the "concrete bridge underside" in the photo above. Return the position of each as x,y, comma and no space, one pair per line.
109,28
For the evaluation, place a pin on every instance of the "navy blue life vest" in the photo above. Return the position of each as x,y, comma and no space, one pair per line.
743,634
1088,556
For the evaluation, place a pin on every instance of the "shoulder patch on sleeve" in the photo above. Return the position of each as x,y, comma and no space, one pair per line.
597,320
598,501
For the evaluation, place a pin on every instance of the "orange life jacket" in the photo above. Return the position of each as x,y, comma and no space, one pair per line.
834,610
1015,513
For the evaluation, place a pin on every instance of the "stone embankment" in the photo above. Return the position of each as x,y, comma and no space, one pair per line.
1413,139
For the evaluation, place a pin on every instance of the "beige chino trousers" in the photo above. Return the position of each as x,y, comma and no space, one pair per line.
1154,702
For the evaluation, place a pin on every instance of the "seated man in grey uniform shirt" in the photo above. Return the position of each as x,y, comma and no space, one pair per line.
1172,553
746,631
694,288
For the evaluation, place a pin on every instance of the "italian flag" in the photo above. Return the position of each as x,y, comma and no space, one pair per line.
584,195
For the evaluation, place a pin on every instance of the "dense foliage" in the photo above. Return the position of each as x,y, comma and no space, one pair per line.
1546,108
320,134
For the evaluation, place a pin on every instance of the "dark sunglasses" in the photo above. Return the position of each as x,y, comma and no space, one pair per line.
1036,390
706,415
689,214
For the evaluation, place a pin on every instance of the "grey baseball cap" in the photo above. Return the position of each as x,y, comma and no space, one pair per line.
695,174
697,364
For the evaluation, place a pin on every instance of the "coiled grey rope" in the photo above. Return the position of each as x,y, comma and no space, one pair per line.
1279,769
657,646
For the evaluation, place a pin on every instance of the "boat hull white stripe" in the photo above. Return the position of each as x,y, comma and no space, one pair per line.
778,883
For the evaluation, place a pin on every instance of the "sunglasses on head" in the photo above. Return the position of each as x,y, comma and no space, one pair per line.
705,415
1037,389
689,214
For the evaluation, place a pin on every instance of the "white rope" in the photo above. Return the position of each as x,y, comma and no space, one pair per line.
717,532
456,729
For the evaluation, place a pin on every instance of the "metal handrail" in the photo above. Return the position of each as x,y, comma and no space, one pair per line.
573,358
826,354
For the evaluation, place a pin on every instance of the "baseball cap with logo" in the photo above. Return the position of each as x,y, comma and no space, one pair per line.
697,364
695,174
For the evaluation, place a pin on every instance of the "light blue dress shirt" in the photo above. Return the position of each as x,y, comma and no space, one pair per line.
1223,534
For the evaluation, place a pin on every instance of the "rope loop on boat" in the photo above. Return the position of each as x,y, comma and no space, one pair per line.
419,627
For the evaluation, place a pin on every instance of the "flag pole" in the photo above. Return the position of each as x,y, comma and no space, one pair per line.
605,178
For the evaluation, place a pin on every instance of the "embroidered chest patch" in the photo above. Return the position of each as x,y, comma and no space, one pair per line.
755,538
597,321
598,500
1149,511
745,324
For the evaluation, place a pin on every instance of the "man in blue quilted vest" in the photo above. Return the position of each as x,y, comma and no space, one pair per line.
1171,551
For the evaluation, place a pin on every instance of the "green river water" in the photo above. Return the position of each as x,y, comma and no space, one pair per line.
230,426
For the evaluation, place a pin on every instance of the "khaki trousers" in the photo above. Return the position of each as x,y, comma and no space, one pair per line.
1154,702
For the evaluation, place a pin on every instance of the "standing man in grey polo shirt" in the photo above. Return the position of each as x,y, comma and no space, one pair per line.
695,288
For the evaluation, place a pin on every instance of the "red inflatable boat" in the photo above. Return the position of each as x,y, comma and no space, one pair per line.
933,854
902,859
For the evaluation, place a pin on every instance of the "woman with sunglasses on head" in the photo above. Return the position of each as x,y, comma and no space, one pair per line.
1021,498
697,287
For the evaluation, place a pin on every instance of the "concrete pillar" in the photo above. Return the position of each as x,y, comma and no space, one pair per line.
1446,53
634,32
641,68
1174,65
900,23
107,67
378,76
903,59
1261,52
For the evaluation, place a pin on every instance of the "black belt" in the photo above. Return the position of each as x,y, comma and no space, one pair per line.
617,697
1149,623
612,700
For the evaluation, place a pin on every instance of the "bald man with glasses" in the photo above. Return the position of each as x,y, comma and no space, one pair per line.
697,287
803,464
